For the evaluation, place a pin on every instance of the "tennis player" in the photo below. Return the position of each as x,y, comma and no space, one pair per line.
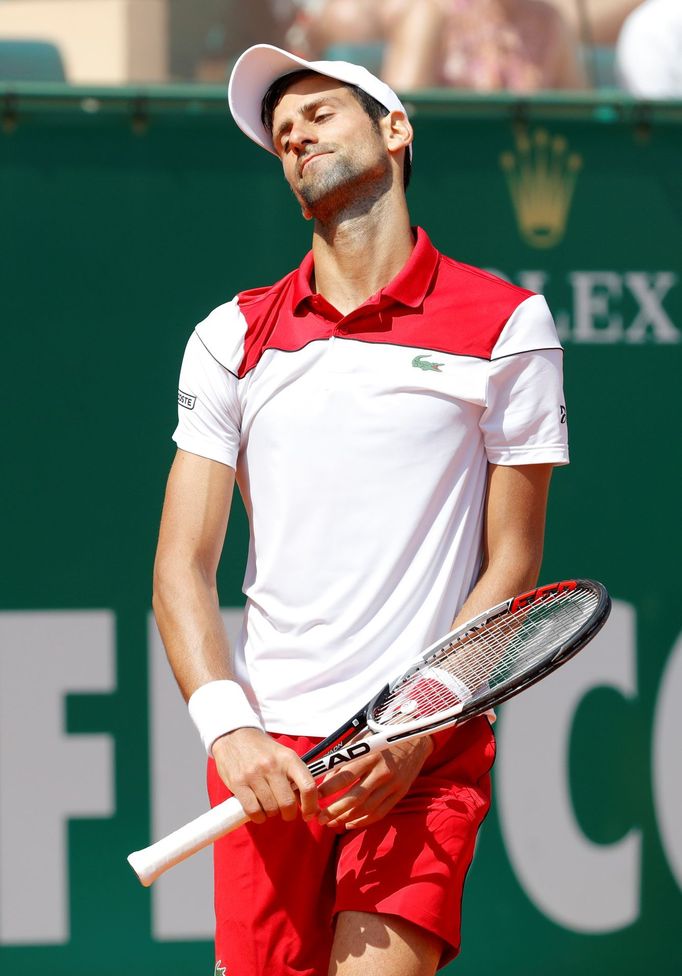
391,417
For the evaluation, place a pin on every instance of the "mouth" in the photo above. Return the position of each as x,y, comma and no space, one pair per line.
309,159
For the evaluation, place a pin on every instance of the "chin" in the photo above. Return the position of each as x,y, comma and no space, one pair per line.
336,180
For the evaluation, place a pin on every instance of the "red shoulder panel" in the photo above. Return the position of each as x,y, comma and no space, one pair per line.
271,323
463,312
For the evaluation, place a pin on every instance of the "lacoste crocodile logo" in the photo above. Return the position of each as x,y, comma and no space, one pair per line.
219,970
419,362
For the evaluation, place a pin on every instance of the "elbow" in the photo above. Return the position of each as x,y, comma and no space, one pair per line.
518,565
164,583
169,581
177,580
528,563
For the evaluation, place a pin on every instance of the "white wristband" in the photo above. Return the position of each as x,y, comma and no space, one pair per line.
219,707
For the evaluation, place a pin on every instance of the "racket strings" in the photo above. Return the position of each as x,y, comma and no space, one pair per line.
520,638
482,660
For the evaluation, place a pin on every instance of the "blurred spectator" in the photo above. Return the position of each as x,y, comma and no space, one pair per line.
325,25
596,22
484,45
649,51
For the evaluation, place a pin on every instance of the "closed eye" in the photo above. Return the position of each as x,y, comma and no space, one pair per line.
319,119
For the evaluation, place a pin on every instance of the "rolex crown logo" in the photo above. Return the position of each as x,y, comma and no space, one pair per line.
541,176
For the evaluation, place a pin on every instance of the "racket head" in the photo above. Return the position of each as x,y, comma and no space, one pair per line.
491,658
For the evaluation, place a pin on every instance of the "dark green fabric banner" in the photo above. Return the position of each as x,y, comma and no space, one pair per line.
126,217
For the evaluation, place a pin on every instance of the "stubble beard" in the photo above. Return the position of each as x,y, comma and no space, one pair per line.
345,186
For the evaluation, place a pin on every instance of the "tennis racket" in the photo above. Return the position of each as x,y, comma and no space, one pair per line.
472,669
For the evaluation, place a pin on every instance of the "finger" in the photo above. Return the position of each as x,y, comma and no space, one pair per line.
357,769
250,803
362,799
337,782
379,799
373,816
300,776
266,797
352,800
378,775
284,797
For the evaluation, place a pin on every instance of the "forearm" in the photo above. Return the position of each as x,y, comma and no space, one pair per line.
504,577
185,598
187,612
413,52
513,536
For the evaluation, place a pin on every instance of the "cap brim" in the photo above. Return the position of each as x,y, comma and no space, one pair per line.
251,77
262,64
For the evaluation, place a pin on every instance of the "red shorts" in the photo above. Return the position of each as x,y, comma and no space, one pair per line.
278,886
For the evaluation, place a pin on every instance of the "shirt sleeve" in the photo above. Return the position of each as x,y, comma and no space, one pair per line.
524,420
209,415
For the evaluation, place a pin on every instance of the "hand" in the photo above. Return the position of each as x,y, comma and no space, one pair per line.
265,776
374,783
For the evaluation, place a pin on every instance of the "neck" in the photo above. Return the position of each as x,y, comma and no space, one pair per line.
357,254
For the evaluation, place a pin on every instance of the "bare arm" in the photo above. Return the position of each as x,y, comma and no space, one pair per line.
196,509
566,70
514,528
513,535
185,601
414,50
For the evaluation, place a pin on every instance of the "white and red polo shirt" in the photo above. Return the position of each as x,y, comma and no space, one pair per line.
361,444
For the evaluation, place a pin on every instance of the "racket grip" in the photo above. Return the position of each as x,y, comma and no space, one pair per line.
151,862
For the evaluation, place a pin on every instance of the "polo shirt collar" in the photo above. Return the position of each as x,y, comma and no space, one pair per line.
409,287
302,279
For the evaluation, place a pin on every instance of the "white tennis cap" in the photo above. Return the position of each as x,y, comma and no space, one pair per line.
262,64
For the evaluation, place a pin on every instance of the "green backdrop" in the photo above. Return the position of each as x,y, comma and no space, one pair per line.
126,217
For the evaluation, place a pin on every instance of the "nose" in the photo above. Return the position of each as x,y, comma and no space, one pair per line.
301,136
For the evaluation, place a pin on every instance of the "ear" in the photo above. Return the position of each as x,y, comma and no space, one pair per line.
398,133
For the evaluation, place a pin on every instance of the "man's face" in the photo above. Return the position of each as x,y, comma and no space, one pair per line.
332,153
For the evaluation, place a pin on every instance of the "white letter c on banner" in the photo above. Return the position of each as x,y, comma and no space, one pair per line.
583,886
666,765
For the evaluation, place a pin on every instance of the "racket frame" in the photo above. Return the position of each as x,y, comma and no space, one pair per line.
361,735
483,703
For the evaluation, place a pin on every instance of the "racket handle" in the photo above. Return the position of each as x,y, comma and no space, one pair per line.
151,862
